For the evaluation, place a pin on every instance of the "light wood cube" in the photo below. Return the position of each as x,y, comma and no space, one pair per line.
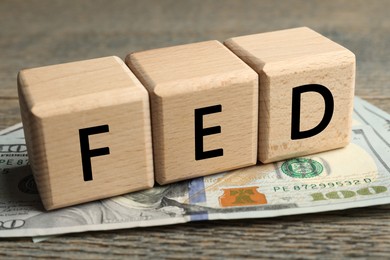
204,103
88,133
306,91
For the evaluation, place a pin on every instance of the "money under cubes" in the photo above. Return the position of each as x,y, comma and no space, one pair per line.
96,129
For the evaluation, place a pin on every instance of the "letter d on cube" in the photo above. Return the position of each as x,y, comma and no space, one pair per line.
306,91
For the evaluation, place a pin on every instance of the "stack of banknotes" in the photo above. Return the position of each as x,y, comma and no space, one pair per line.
355,176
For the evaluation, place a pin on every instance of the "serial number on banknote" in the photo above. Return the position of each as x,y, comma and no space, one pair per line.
316,186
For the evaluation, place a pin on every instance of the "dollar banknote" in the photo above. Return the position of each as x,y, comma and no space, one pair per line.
368,114
15,131
355,176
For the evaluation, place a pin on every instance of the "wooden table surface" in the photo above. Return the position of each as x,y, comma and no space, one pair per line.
38,33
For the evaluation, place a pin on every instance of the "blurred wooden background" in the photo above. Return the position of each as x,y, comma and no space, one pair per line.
38,33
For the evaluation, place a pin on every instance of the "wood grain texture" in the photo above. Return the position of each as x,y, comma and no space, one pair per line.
286,61
50,32
183,80
57,101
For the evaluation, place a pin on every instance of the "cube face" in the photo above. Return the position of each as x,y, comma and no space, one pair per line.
118,111
289,61
204,104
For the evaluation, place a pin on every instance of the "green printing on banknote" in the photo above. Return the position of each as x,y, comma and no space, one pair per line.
302,168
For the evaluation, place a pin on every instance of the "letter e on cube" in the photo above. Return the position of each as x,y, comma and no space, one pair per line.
204,103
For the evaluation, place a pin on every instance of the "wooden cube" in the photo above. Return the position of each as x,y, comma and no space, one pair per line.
306,91
204,103
87,127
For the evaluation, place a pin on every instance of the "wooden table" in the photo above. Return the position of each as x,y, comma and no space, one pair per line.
38,33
